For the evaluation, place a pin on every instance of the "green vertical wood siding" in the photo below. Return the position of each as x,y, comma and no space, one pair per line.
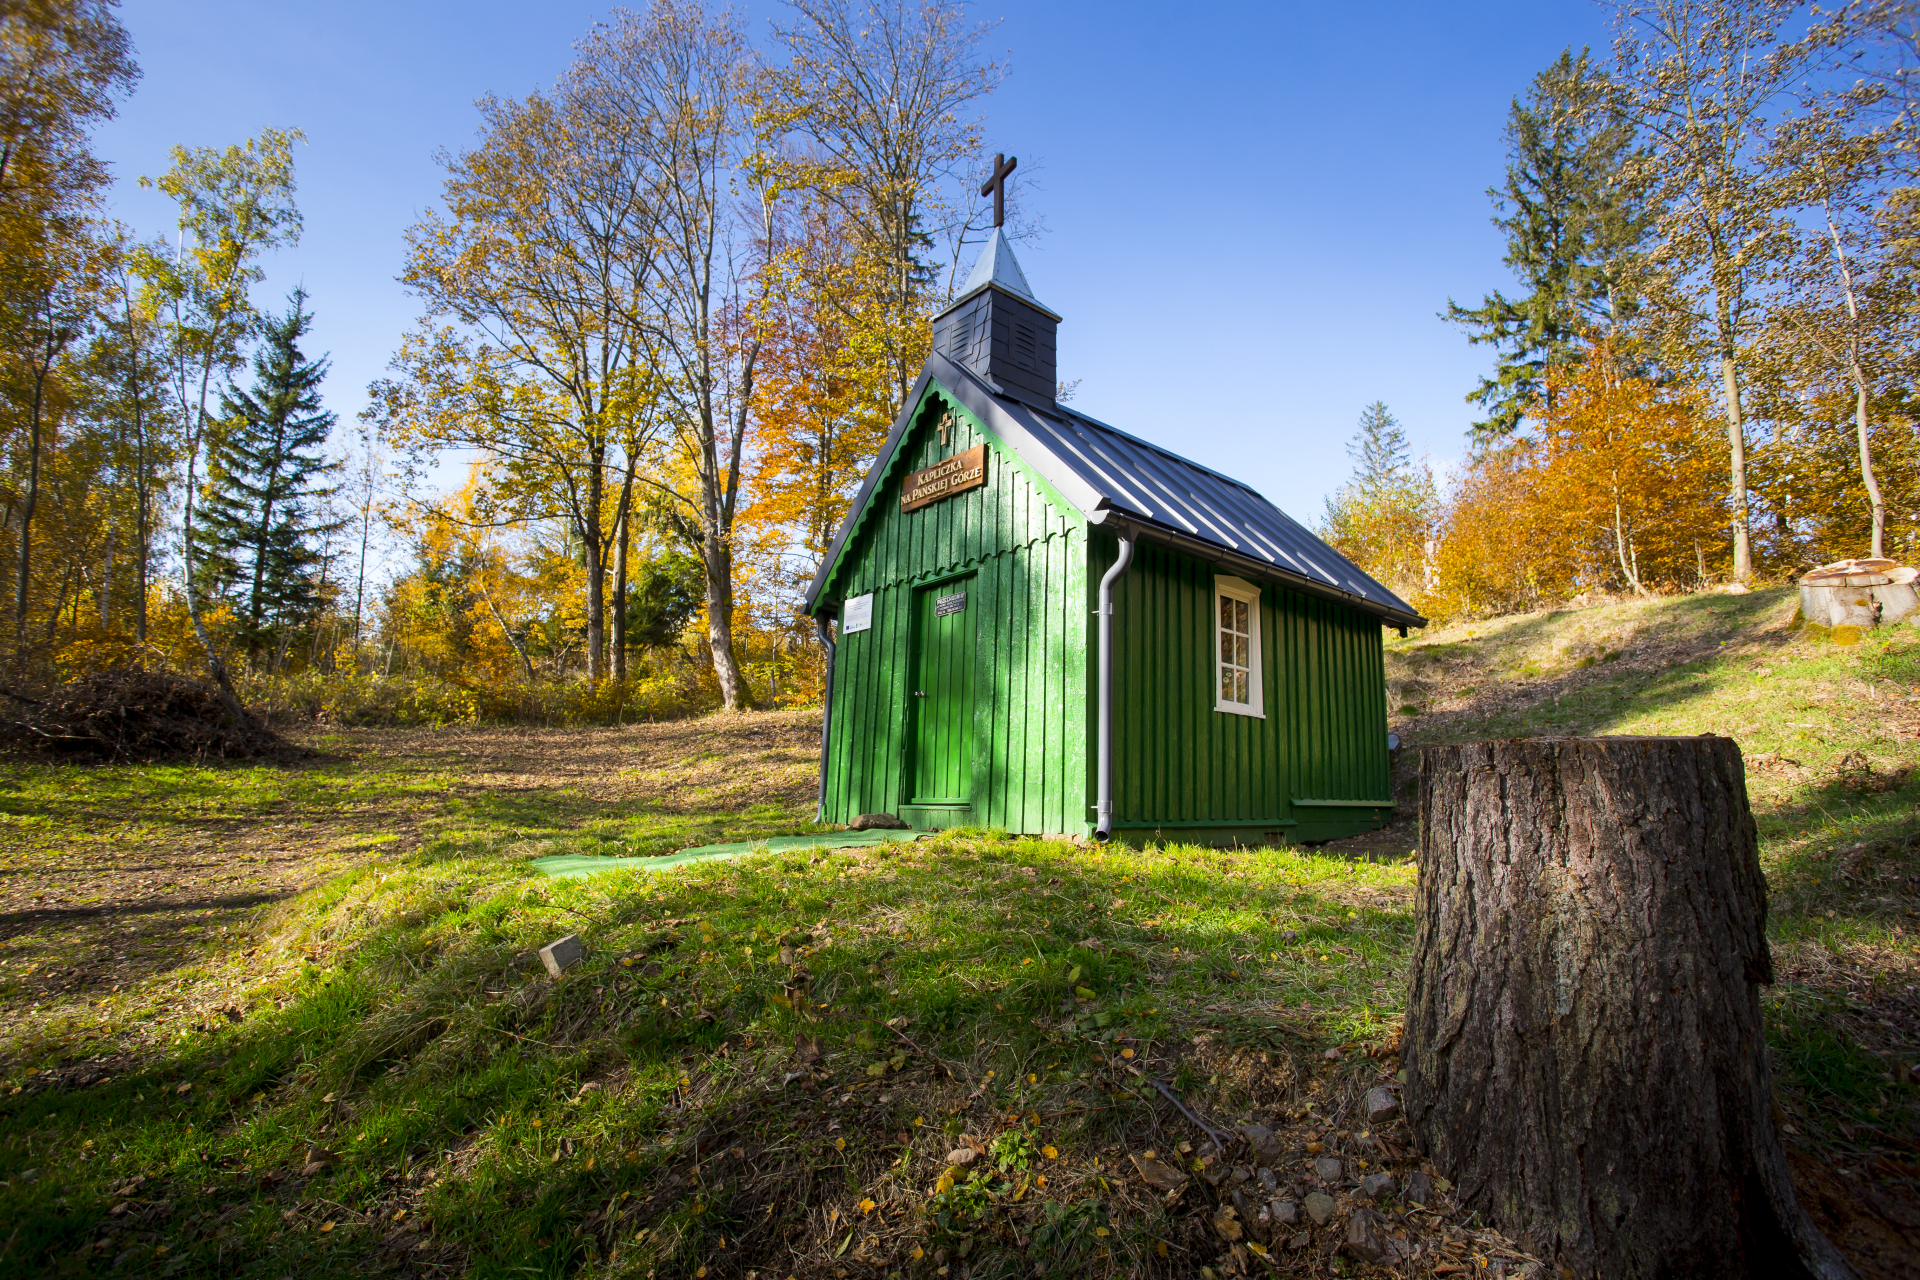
1178,761
1335,671
1026,595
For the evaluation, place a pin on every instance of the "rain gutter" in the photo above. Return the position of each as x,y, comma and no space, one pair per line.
1103,826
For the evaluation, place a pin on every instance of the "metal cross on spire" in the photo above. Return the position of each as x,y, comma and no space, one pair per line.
996,186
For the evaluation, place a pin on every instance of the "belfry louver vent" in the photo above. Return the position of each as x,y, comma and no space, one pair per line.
999,330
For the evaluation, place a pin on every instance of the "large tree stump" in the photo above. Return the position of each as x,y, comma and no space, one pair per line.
1583,1046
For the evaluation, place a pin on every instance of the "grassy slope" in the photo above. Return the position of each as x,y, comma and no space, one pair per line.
661,1111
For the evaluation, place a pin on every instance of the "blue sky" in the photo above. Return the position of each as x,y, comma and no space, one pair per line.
1253,212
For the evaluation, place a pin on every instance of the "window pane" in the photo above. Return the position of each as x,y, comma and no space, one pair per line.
1226,684
1226,612
1226,646
1239,615
1240,687
1240,654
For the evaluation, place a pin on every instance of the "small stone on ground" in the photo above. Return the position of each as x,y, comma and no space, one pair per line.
562,954
1264,1143
1380,1105
1362,1239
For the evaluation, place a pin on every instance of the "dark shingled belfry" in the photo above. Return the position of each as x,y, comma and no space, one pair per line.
1231,690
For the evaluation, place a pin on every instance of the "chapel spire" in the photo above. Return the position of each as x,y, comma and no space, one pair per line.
996,327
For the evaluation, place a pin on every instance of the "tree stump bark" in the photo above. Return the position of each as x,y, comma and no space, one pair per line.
1583,1045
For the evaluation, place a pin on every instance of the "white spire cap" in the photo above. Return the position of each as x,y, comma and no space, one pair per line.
997,265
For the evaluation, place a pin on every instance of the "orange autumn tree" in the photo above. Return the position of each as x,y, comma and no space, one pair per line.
496,591
1627,473
825,396
1485,563
1612,486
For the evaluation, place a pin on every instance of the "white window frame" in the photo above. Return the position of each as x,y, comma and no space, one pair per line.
1227,587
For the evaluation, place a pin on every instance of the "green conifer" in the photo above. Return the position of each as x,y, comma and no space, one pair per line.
1382,519
263,507
1572,222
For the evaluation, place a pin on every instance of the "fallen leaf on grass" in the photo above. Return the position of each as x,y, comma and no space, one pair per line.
1161,1176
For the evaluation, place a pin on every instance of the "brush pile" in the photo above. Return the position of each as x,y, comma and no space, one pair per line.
131,715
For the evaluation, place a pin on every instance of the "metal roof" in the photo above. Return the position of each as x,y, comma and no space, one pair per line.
996,265
1113,477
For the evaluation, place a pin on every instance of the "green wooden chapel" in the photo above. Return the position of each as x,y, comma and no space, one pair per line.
1043,624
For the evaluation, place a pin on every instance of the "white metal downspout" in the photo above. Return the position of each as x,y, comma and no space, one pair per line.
826,715
1103,825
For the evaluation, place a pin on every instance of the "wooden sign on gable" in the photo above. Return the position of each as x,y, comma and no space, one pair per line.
961,472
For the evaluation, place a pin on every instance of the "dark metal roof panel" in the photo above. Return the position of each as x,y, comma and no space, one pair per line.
1153,484
1104,471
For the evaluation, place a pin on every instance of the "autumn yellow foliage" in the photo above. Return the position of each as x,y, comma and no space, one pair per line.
1613,489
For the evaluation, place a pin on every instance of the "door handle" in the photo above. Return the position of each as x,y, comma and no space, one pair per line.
918,694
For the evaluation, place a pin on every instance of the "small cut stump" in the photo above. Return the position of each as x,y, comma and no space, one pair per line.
1583,1043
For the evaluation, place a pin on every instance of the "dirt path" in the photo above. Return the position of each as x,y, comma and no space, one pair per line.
118,886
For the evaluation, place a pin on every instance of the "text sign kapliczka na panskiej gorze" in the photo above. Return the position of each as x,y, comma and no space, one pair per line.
961,472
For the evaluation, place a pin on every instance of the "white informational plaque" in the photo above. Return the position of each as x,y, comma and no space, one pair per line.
856,614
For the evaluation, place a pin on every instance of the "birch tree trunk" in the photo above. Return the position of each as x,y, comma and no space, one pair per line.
1872,481
622,545
1583,1043
1737,472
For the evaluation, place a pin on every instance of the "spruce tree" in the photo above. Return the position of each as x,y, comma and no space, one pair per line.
1572,222
1383,461
1382,518
262,509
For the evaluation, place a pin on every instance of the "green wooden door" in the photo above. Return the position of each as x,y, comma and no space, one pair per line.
942,694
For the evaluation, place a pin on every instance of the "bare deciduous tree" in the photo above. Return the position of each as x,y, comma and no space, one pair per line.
880,92
680,73
542,261
1833,319
1705,79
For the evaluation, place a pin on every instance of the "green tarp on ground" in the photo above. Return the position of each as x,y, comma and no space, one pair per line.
572,865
